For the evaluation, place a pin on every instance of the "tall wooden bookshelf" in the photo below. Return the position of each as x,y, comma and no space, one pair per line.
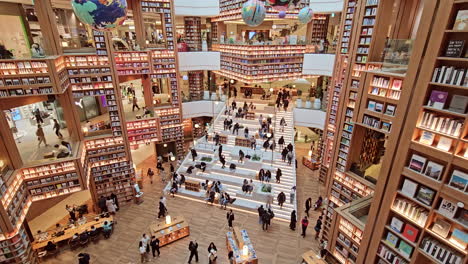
429,170
192,28
196,84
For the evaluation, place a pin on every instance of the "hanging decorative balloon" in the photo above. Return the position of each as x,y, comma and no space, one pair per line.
305,15
282,14
253,12
101,15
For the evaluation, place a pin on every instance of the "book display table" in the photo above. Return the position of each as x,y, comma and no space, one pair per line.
177,229
239,242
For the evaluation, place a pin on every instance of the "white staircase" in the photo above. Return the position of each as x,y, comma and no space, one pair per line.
232,180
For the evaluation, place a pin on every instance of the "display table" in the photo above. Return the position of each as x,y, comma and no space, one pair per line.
309,257
192,185
168,233
310,163
255,90
41,239
250,116
235,242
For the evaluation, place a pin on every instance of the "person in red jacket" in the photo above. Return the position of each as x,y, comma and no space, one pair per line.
304,223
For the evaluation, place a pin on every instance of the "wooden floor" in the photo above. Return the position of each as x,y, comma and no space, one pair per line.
207,224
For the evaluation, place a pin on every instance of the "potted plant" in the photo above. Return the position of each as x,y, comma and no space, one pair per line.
308,103
318,98
266,188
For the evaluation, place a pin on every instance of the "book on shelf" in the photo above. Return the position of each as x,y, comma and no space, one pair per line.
425,195
427,138
433,170
450,75
444,143
396,84
410,232
448,208
458,104
459,237
392,239
455,48
417,163
461,21
371,105
405,249
440,252
463,216
379,107
441,227
459,180
390,110
437,99
409,188
396,224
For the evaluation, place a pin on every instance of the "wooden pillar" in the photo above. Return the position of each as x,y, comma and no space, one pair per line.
147,91
12,154
138,21
46,16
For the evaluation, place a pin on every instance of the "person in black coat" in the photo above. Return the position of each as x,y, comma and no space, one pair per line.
292,223
162,210
234,104
102,204
265,220
222,159
83,258
290,147
278,175
220,150
284,153
267,176
261,211
281,199
308,205
155,246
194,154
172,168
230,218
281,142
241,156
193,247
266,144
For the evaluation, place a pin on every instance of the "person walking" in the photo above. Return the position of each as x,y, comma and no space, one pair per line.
40,136
222,159
155,246
246,132
57,129
172,168
269,200
38,117
261,175
260,119
290,147
135,104
304,224
230,218
290,157
308,204
162,209
241,156
261,211
212,251
284,153
318,227
281,142
281,199
279,173
292,194
265,221
292,223
194,154
143,255
285,104
253,142
267,176
282,124
225,123
150,174
220,150
193,248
